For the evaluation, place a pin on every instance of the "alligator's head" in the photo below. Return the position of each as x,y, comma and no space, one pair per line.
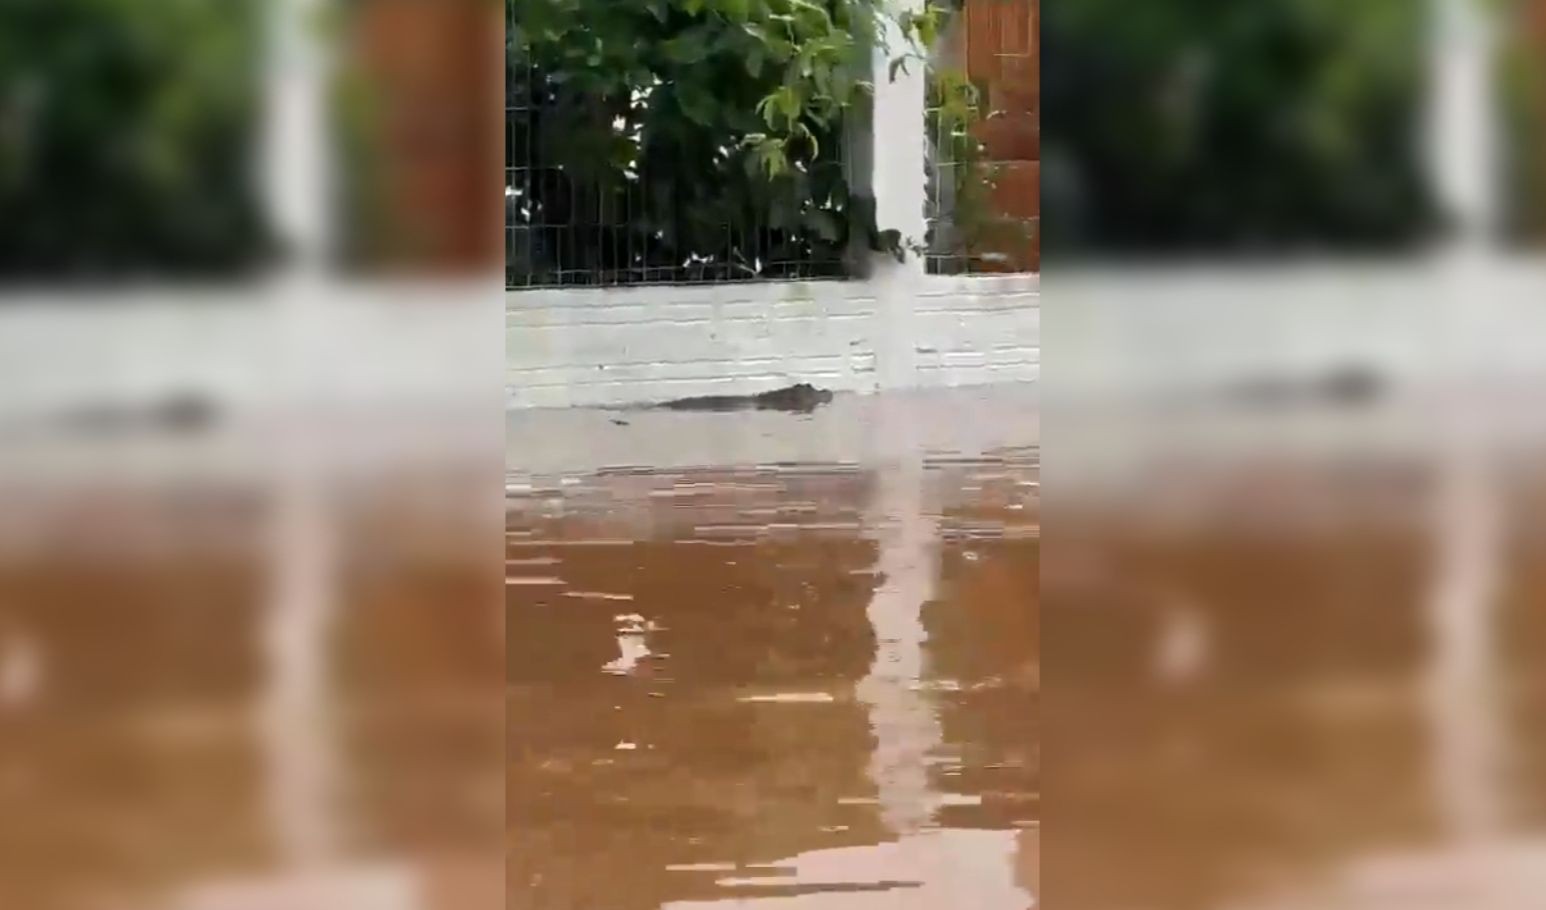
814,395
806,397
802,398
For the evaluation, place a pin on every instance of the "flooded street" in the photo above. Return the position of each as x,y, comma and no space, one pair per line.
238,674
808,684
1293,660
1287,661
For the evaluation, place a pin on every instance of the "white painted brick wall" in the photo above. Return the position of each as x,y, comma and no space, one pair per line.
899,330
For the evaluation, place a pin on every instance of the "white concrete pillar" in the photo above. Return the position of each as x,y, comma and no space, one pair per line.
1463,131
898,139
1463,157
896,151
296,153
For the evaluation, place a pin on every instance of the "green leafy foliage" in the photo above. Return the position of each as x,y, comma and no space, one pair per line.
688,132
1212,125
127,131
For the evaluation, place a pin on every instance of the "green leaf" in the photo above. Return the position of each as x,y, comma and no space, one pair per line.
687,48
698,103
787,100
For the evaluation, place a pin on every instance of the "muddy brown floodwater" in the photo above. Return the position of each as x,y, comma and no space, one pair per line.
804,684
229,682
764,661
1295,661
796,686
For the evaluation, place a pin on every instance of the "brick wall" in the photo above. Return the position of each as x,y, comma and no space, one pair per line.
435,124
1001,50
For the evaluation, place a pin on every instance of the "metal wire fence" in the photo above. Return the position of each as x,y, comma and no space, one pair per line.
659,218
600,192
984,168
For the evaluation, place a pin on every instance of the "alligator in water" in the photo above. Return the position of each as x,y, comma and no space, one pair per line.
796,399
